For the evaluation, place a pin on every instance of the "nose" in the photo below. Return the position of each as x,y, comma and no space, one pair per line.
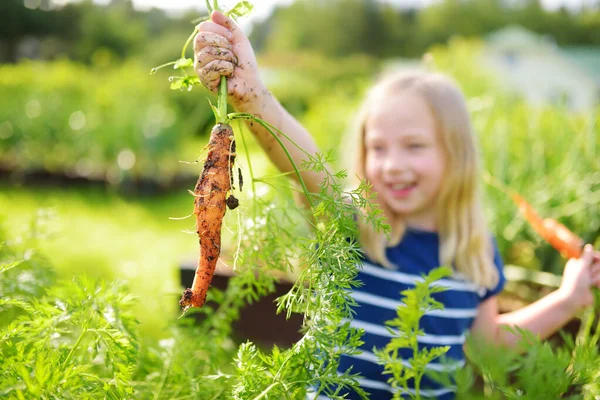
395,163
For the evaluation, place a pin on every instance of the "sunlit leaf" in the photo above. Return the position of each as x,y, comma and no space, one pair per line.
177,84
239,10
183,63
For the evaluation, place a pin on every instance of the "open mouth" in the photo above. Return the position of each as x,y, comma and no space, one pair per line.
402,189
402,186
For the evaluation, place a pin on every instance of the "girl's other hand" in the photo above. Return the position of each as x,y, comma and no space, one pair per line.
579,276
222,49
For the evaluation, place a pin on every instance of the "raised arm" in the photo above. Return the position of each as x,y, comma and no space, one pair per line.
221,48
547,315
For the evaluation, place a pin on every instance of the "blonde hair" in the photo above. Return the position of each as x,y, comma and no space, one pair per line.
464,239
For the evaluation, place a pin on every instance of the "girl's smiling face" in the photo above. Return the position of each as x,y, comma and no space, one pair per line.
405,160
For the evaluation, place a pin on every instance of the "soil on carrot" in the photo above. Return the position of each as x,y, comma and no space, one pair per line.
211,201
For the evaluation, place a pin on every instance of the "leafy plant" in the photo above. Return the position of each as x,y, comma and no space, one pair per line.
534,370
415,304
531,370
74,341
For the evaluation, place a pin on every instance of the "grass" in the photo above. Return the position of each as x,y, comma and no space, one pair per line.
99,233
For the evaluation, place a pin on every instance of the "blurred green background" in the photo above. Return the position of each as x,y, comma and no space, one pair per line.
90,142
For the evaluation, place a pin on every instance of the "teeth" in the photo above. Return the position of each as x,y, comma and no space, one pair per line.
400,186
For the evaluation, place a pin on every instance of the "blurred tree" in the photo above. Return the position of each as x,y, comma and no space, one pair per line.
115,28
343,27
401,28
459,17
19,21
79,29
335,28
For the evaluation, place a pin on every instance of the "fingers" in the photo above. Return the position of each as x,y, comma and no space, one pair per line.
212,54
210,26
210,74
209,53
595,277
204,39
228,23
596,256
588,254
595,269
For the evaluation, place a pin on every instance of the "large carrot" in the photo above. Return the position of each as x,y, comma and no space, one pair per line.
552,231
209,208
556,234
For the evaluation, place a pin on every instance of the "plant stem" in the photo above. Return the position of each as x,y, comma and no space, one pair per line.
72,352
222,101
415,348
270,129
586,327
153,70
279,175
218,395
266,391
165,374
252,179
188,41
268,126
596,337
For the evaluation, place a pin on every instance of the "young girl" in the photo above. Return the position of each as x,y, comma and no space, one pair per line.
415,146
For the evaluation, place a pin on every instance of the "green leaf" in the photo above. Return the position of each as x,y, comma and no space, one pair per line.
239,10
183,63
6,302
215,110
6,266
177,84
439,273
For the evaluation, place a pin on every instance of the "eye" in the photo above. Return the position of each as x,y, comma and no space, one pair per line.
416,146
377,148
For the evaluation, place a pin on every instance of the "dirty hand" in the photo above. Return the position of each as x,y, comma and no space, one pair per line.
221,48
579,277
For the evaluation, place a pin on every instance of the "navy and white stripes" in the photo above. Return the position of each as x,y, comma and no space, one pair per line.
378,299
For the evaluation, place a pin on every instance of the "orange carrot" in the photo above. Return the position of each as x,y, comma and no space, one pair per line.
555,233
562,239
209,207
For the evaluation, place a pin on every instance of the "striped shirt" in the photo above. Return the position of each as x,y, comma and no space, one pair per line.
379,297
